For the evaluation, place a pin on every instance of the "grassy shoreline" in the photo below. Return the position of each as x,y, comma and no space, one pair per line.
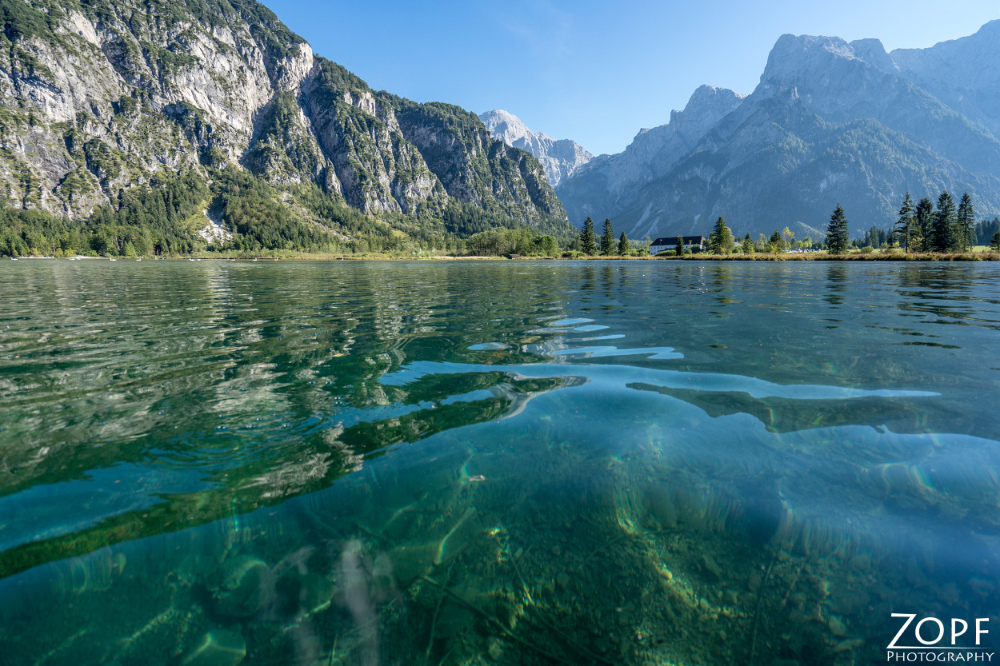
872,256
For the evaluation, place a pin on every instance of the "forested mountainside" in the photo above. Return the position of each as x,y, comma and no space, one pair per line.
211,116
830,122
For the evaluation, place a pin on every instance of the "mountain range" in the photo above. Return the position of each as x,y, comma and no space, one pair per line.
235,121
830,122
98,97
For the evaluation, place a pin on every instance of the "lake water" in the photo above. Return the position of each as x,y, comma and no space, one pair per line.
495,462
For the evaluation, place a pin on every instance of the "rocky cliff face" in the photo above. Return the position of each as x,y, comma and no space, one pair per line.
962,73
560,158
842,83
98,96
831,122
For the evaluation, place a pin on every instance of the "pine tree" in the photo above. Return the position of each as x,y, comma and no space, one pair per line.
943,232
748,244
966,223
837,235
679,248
904,225
721,239
624,247
776,243
608,239
995,243
588,243
921,238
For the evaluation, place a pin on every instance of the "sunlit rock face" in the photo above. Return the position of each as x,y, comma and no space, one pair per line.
962,73
559,157
103,97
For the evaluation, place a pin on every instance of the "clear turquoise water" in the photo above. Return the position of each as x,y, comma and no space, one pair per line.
504,462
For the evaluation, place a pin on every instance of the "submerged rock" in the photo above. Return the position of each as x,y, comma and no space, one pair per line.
494,648
713,572
315,593
247,587
412,559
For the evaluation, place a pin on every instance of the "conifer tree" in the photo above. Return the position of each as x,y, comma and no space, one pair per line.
776,243
995,243
624,247
588,244
748,244
945,220
720,241
837,235
921,240
608,239
904,225
966,223
679,248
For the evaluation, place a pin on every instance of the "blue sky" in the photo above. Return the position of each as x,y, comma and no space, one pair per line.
595,72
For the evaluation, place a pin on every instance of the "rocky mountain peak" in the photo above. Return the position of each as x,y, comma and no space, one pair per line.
797,57
873,52
510,129
608,180
705,97
707,106
559,157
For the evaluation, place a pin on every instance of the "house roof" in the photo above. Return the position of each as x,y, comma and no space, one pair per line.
672,240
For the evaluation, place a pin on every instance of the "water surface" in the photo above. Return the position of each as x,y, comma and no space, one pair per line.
503,462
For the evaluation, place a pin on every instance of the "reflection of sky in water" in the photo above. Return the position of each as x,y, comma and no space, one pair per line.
570,322
657,354
472,396
489,346
43,512
625,375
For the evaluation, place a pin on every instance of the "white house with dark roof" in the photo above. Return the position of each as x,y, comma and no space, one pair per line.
670,243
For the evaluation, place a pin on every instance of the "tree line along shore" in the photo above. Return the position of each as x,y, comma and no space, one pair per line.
167,218
923,231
